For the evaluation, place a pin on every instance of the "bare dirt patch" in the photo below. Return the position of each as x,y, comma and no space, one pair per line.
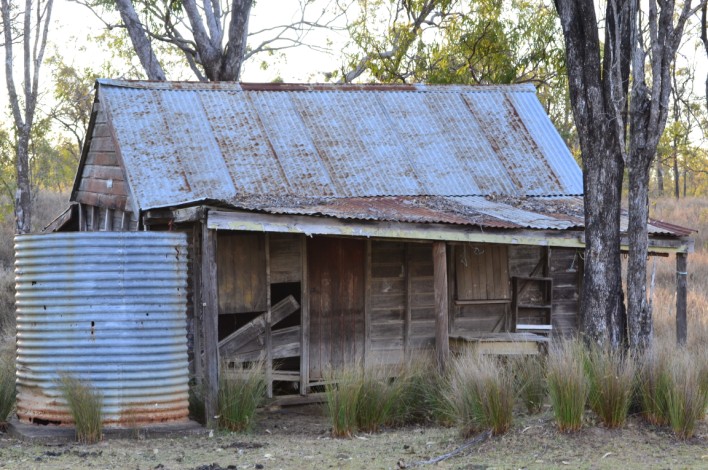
299,438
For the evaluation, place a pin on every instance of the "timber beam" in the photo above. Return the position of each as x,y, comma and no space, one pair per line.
313,225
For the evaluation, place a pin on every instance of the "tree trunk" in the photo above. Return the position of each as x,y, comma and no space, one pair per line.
704,38
677,192
602,307
659,177
640,315
23,222
140,40
598,89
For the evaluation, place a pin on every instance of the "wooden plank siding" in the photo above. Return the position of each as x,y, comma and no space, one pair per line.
388,301
335,269
243,286
482,287
566,270
102,182
527,261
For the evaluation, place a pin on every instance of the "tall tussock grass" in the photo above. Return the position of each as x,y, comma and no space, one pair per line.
366,398
7,387
482,394
242,389
530,374
568,386
85,405
611,379
653,381
686,397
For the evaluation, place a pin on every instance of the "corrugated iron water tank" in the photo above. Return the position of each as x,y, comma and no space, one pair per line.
108,308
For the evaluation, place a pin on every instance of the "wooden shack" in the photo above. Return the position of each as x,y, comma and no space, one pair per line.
332,224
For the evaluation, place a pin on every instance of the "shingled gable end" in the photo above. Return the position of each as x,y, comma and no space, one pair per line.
330,224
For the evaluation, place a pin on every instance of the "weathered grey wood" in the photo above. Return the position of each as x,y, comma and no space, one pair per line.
285,342
242,273
82,217
407,319
108,223
285,258
210,324
681,290
451,275
125,223
304,322
196,296
367,302
268,324
257,327
442,343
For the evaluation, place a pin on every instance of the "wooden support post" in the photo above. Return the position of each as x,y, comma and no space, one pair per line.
681,288
367,303
409,302
196,301
108,222
304,322
210,324
451,276
82,218
442,337
268,325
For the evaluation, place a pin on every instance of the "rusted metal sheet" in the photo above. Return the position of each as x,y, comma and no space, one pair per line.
186,142
107,308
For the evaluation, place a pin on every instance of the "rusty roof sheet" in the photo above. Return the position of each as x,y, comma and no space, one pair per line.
542,213
185,142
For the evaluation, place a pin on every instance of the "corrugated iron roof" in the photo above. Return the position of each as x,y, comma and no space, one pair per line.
544,213
184,142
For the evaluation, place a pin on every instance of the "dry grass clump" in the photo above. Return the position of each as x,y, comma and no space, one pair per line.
653,382
366,398
686,397
481,393
85,405
611,378
568,385
7,304
530,374
242,389
7,386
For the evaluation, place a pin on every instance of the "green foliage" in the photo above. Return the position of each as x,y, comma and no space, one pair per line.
567,384
7,385
530,373
242,389
85,405
611,377
457,42
482,394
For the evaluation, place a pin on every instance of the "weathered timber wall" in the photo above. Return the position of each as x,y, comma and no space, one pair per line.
241,272
285,258
102,182
566,272
335,268
482,274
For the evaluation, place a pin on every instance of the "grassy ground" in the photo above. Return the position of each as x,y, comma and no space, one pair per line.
300,438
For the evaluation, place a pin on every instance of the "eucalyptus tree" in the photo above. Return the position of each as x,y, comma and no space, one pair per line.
619,126
26,25
213,36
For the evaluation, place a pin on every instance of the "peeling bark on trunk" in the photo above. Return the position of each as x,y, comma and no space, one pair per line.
597,88
23,214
